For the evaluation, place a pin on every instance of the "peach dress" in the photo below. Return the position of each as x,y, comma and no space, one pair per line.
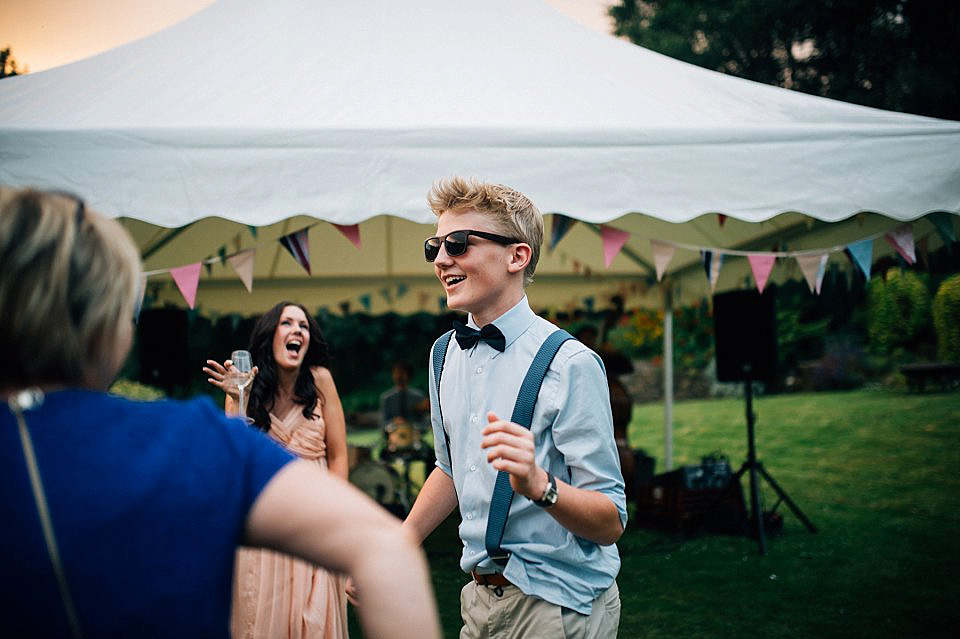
279,597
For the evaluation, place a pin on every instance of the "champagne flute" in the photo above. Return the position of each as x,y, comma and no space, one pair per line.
241,376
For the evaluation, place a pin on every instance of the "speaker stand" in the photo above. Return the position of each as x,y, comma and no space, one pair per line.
755,468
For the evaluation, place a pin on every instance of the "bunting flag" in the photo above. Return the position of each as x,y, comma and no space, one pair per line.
187,278
422,299
902,239
253,230
561,224
761,264
365,302
943,221
662,254
401,290
813,268
298,243
351,232
242,264
387,294
711,264
588,302
862,255
222,254
721,218
613,241
345,308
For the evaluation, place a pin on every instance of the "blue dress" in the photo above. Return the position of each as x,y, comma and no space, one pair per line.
148,502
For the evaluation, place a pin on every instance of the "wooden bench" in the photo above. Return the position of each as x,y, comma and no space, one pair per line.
944,375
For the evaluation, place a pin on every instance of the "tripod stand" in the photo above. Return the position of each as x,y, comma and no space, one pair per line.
755,467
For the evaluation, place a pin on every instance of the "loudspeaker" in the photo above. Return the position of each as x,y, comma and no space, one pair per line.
162,342
745,336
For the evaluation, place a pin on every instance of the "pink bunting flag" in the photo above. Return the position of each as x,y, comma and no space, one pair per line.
298,243
187,278
662,254
613,241
721,218
902,239
761,264
813,268
351,232
242,263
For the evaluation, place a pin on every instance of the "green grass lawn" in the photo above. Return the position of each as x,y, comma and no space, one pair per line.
878,472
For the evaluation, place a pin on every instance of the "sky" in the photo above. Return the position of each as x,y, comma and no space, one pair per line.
47,33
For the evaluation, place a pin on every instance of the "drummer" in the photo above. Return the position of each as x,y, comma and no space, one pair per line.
402,402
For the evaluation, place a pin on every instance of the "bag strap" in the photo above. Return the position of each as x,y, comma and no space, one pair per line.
30,399
439,357
522,415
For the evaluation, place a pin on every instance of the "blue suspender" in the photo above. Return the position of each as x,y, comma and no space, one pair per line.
522,415
439,357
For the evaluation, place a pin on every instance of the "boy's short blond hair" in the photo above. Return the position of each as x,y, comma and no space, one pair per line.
69,279
515,215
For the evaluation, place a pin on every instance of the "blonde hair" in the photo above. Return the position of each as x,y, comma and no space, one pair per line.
69,280
515,215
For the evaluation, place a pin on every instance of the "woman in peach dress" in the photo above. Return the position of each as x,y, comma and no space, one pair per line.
294,400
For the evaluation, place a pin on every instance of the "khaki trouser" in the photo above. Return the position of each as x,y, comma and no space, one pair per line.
514,615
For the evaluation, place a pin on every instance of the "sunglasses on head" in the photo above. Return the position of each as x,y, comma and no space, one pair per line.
455,243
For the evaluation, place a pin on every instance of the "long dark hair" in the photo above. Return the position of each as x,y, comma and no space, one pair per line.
264,390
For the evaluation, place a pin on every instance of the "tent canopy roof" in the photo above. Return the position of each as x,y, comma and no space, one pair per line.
342,111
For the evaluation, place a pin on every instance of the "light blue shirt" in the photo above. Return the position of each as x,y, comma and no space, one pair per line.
573,437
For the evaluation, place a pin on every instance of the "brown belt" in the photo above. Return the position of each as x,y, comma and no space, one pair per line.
493,579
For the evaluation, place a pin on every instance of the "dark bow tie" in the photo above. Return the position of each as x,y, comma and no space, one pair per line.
468,337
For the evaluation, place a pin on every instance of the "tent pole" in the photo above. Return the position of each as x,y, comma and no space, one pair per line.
668,374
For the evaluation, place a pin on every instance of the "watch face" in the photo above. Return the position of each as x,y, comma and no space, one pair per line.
550,495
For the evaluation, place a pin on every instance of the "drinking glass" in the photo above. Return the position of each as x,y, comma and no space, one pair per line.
240,377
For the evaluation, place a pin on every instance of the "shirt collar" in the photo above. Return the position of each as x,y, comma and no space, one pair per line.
513,323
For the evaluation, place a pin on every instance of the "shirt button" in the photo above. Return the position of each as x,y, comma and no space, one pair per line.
473,418
469,515
473,468
479,369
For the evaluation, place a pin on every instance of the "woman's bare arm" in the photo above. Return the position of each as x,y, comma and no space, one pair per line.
314,515
334,421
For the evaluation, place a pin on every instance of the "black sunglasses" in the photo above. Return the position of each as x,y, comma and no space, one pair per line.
456,243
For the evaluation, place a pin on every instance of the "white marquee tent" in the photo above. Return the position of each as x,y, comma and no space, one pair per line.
252,113
257,111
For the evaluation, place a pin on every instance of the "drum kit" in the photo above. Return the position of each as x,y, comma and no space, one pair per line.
388,472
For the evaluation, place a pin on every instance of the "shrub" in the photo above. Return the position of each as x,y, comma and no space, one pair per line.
641,336
946,319
899,310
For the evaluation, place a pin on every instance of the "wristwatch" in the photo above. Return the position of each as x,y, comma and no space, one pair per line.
549,497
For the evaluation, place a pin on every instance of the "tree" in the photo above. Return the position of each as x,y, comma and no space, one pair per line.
8,66
891,54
